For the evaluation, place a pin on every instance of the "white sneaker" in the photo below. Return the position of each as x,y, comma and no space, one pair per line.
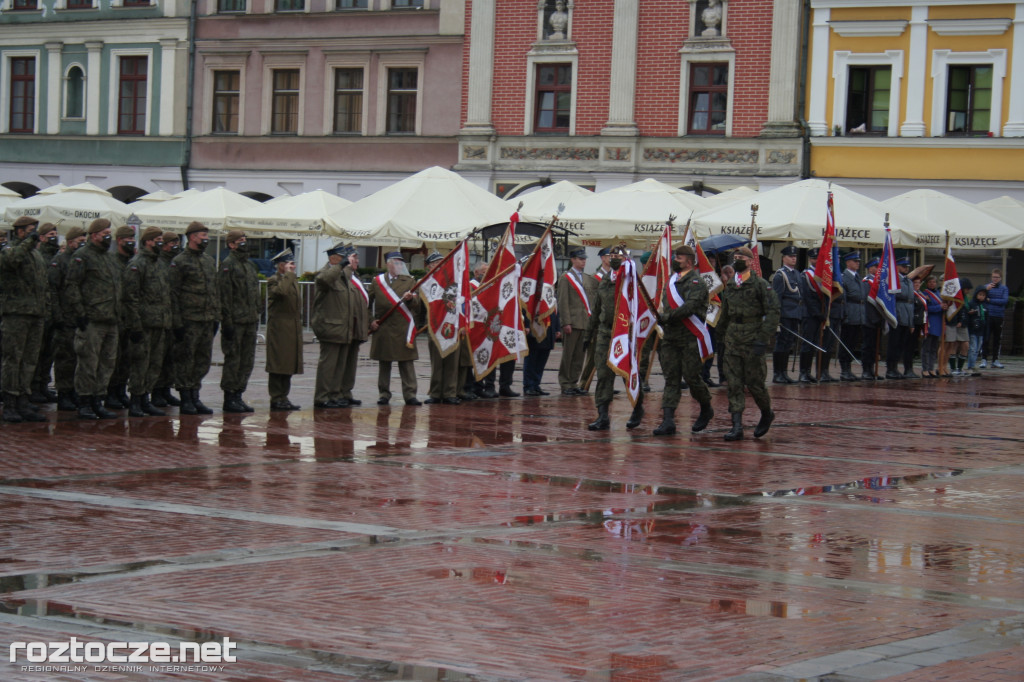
983,364
997,364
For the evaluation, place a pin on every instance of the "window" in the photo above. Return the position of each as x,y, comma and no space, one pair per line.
351,4
24,4
554,98
402,101
230,6
407,4
226,86
74,93
136,3
23,95
284,107
79,4
131,101
348,100
289,5
867,99
709,98
969,100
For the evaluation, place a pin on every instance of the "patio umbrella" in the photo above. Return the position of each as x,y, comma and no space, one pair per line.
152,198
7,196
635,214
730,196
1007,209
289,216
722,242
53,189
74,207
211,208
433,206
541,204
969,226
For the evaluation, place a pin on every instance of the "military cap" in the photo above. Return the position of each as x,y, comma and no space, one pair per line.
338,249
75,233
604,252
350,250
853,255
47,227
618,250
390,255
434,257
125,231
685,250
98,225
150,233
903,261
195,226
25,221
745,251
872,263
812,253
578,253
233,236
790,251
285,256
171,237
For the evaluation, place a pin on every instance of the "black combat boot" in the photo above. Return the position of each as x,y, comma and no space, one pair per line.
668,422
200,408
826,359
867,372
158,399
187,406
37,396
844,373
65,402
636,417
135,406
779,367
25,409
602,422
765,423
114,400
149,408
891,373
231,403
250,408
101,412
704,418
85,408
11,414
806,360
737,427
169,397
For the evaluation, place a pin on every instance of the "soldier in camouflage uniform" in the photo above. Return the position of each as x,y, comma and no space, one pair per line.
161,396
686,295
93,292
195,315
23,294
238,284
147,318
117,396
41,393
65,318
750,313
601,320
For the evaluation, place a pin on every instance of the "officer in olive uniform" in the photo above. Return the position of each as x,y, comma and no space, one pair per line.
853,321
195,315
332,324
873,325
601,321
147,318
65,317
750,313
238,285
161,396
899,336
573,292
284,331
93,292
49,248
117,396
686,295
359,301
789,286
23,296
389,337
444,372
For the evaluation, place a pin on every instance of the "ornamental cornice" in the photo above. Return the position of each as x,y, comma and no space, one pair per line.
869,28
970,27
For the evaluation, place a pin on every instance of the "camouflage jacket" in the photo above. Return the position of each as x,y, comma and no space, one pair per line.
750,314
93,286
24,289
691,288
193,278
147,293
239,289
602,309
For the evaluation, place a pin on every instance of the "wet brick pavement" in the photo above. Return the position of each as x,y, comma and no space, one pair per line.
873,534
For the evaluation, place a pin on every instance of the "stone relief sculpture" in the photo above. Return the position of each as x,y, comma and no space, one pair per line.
711,19
559,22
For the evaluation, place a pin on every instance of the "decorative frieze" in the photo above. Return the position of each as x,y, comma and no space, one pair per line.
550,153
784,156
682,155
617,153
470,152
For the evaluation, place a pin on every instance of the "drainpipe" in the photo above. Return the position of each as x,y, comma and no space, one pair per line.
187,156
805,166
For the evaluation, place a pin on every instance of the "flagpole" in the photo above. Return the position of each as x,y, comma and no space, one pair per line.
753,239
943,368
416,286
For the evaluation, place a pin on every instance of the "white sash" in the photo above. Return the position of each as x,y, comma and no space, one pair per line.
693,323
394,299
579,290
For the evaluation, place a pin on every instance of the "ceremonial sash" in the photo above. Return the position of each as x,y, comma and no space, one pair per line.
693,323
740,278
360,289
579,290
395,299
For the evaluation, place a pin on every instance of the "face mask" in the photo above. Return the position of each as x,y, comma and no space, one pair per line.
616,263
677,266
106,241
128,247
157,246
242,248
201,246
52,240
175,249
739,265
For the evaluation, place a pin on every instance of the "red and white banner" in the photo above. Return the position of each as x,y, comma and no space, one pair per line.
396,300
653,281
696,325
505,254
496,323
713,282
445,293
537,286
951,291
755,262
822,277
624,348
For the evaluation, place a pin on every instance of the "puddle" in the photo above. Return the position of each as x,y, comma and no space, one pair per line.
869,483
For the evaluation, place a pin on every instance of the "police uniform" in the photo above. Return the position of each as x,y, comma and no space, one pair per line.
872,328
238,286
853,321
332,324
573,293
789,286
899,336
284,333
388,344
147,318
812,326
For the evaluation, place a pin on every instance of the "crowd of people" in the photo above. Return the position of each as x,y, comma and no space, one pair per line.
121,319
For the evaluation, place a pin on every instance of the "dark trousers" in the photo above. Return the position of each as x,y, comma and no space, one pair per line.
533,365
899,337
910,348
994,338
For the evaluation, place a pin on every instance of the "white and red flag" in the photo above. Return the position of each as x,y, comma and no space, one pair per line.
445,293
951,291
653,280
624,347
505,254
822,279
713,282
537,286
755,262
496,322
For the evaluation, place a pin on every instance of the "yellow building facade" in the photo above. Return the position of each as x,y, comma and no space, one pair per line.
917,93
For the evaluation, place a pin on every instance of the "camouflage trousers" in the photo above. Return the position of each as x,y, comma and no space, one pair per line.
146,358
22,337
168,370
444,373
123,366
605,390
239,356
680,359
64,359
195,352
743,369
96,348
646,351
46,352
